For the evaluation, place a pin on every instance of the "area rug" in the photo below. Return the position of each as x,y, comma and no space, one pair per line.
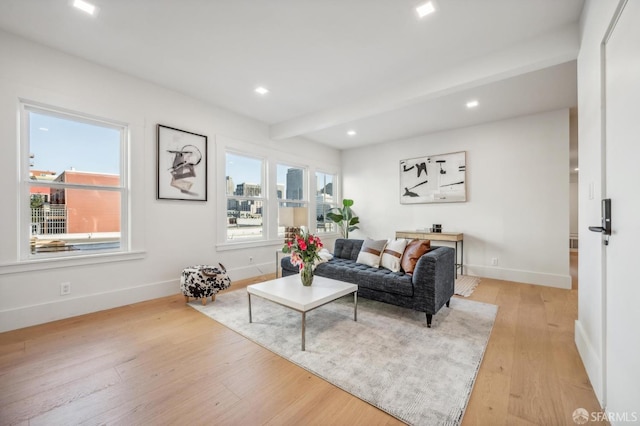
388,358
465,285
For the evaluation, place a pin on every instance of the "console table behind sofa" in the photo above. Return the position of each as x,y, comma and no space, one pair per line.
453,237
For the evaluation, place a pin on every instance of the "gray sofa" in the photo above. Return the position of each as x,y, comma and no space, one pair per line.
428,289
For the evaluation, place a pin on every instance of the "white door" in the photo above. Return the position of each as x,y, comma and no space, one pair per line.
622,118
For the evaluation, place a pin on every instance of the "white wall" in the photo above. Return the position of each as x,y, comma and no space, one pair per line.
589,331
517,192
168,235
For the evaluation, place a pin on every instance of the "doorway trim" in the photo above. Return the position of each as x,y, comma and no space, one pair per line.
603,167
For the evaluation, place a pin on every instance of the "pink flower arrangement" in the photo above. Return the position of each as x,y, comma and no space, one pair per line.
304,249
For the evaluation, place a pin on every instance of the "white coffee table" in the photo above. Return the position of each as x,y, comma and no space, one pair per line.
289,292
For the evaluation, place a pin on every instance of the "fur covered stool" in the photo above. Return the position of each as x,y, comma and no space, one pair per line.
202,281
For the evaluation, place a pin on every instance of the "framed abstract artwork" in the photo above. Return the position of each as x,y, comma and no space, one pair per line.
182,165
434,179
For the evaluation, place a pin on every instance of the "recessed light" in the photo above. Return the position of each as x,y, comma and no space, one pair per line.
472,104
261,90
84,6
352,133
426,9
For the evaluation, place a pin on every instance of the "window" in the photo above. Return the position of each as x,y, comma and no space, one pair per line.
265,191
74,183
245,197
293,205
325,201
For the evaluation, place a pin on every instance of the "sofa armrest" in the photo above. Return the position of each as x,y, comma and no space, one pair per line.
434,278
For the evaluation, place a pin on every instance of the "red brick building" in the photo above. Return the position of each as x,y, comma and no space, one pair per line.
87,210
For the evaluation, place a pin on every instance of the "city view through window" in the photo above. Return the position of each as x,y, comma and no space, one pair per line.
325,201
246,199
75,195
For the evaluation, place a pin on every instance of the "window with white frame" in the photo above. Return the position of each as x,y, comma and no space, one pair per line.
74,192
325,200
293,203
245,196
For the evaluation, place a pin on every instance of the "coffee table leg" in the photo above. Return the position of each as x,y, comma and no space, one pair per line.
303,326
249,294
355,306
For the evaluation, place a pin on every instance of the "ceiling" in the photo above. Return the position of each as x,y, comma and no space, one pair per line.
331,65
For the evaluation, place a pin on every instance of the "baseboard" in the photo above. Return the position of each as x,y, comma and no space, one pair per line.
67,307
591,360
251,271
520,276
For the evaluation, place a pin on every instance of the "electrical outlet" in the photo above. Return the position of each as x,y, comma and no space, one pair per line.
494,261
65,288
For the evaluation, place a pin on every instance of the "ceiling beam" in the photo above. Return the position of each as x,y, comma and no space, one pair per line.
538,53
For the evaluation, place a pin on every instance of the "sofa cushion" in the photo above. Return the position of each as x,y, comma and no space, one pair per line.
339,269
371,252
347,249
392,254
412,253
378,279
383,280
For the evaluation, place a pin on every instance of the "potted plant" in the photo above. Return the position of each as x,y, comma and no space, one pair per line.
344,217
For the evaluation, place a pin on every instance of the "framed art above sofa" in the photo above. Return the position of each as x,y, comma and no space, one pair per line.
434,179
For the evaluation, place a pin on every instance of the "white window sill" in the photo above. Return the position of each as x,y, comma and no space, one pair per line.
249,244
279,242
65,262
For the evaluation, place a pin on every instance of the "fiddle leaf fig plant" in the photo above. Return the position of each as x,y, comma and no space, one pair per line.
344,217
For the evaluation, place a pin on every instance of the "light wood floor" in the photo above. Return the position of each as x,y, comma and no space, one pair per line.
161,362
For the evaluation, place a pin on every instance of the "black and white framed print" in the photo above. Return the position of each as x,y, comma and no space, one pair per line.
182,165
434,179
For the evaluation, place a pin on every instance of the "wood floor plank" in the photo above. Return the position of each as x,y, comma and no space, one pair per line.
16,387
512,420
150,407
535,392
9,349
489,404
270,397
205,408
66,394
335,412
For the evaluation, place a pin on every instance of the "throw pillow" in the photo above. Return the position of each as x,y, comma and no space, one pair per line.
412,253
371,252
324,255
392,255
